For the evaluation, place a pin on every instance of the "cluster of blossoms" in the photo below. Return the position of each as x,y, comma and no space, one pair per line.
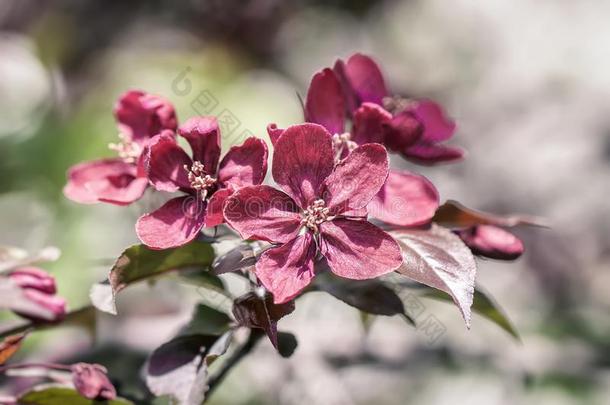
332,180
338,207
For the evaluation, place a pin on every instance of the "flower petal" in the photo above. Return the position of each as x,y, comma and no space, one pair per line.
429,153
356,179
214,215
358,250
324,104
107,180
274,133
244,165
437,125
203,134
302,159
287,270
406,199
263,213
174,224
403,130
364,79
141,115
492,241
164,164
370,124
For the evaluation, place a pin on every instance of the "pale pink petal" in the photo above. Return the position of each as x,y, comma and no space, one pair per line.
302,159
356,179
263,213
214,214
430,154
203,134
274,133
437,125
493,242
107,180
406,199
324,104
370,124
403,130
365,79
286,270
165,164
141,115
244,165
176,223
358,250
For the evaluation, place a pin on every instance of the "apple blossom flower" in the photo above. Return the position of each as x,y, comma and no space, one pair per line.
313,213
414,128
121,180
205,182
91,381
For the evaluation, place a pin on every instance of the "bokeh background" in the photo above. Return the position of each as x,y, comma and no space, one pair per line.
528,83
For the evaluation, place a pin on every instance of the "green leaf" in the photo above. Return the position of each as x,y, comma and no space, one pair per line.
207,321
58,395
485,306
139,263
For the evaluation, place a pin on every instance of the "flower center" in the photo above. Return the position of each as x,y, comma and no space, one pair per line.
199,179
127,149
396,104
315,214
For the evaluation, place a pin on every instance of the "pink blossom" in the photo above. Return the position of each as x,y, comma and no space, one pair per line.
313,213
38,288
91,381
121,180
413,128
492,242
206,184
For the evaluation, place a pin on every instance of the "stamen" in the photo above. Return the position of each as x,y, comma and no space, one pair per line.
396,104
200,181
127,150
342,142
315,214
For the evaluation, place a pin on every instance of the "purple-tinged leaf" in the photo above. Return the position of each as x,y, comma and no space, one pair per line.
252,311
483,305
179,368
241,258
438,258
370,296
139,263
452,214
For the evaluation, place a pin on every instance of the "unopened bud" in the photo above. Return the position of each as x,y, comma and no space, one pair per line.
91,381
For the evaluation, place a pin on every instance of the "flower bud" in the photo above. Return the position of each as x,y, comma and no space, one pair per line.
52,307
492,242
91,381
34,278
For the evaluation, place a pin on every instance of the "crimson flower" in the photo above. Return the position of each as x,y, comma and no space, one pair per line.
206,184
414,128
121,180
406,198
492,241
315,213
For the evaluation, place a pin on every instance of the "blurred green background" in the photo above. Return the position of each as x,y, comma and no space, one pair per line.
526,81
